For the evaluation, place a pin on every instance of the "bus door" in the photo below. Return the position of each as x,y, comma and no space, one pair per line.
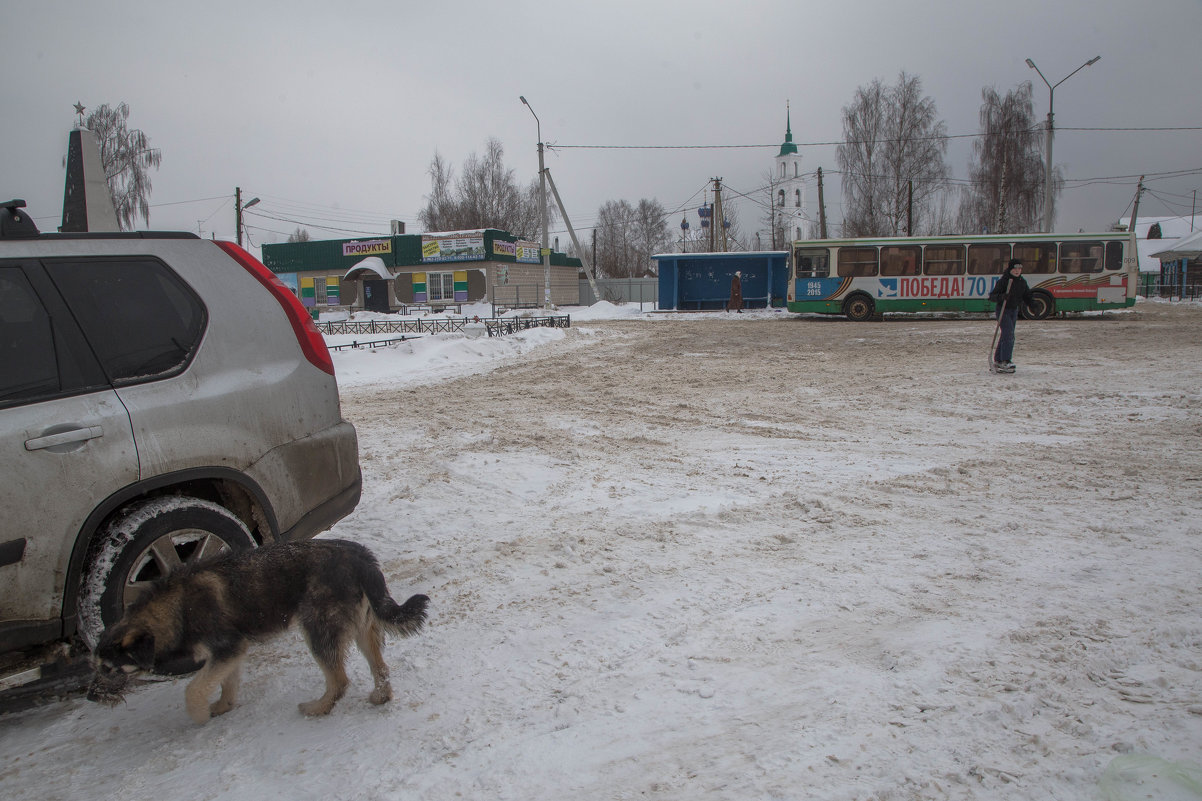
811,274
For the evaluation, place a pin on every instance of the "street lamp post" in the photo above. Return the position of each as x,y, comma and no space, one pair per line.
239,207
1047,170
542,183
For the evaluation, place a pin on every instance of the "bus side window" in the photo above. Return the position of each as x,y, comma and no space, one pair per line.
1114,255
812,263
943,260
855,262
987,259
1036,257
899,260
1081,257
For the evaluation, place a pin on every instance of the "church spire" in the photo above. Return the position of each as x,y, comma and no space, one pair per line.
788,147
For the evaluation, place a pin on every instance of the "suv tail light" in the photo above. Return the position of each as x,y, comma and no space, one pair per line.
310,339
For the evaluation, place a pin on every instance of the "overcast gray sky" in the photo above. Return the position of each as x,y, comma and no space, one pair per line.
331,112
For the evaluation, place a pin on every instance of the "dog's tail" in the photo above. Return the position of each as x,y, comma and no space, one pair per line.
403,620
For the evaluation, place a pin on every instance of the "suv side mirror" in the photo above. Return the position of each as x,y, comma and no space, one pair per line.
14,223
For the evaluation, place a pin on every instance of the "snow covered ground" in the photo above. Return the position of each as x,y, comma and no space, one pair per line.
717,556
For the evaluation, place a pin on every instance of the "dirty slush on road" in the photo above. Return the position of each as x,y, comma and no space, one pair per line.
847,534
723,556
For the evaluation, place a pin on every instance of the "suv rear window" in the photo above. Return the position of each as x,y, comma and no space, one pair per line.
142,321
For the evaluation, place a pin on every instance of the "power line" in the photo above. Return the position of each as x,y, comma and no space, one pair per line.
267,230
322,207
1129,129
186,202
312,225
299,208
851,141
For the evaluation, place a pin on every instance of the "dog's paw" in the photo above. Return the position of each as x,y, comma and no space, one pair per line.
199,714
220,708
315,709
380,695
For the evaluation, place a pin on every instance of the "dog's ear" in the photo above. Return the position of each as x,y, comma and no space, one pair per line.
140,648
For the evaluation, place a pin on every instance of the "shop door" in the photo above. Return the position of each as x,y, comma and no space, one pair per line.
375,295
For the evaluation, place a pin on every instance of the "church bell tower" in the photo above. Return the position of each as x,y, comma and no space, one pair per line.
789,188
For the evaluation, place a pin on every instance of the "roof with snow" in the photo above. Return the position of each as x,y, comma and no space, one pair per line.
1187,247
1171,228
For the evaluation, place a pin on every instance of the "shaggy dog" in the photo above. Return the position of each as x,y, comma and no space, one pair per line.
213,611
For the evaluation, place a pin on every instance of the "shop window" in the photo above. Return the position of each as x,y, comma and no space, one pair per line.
440,286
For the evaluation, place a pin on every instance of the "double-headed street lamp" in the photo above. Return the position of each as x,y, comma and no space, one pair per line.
1047,172
542,182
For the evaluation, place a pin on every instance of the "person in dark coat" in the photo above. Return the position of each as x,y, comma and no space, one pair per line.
736,293
1010,294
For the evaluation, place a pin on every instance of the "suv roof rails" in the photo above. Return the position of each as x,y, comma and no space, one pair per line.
15,224
123,235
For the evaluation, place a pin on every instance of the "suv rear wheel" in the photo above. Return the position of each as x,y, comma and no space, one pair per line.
146,542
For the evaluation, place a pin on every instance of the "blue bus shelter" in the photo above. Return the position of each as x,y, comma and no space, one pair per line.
701,281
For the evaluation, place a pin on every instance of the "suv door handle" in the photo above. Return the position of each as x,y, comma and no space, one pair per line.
64,438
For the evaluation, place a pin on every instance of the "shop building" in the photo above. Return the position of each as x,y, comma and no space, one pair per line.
437,270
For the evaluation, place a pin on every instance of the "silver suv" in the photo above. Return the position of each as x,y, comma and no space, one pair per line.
162,398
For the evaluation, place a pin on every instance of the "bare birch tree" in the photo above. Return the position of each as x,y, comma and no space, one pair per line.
628,236
1006,193
486,195
127,157
892,159
861,158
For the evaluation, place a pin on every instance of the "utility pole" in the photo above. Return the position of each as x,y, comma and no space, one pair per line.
1139,190
542,182
238,209
821,209
719,219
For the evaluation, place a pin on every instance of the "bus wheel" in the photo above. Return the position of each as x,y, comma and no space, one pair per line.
1039,307
859,308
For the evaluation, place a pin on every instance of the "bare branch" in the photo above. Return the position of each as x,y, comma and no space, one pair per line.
127,158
